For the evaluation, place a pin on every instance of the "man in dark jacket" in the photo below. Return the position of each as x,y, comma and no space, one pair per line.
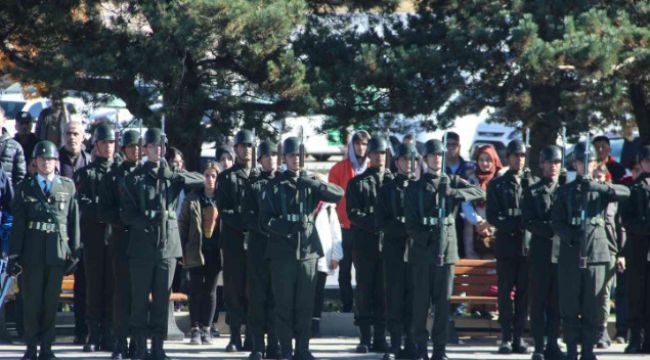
503,210
361,195
24,135
397,273
52,121
149,201
433,248
603,149
95,233
635,215
536,215
232,184
12,157
585,258
261,317
293,249
108,211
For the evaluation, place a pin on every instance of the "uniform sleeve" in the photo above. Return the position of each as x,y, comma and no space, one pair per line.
493,212
189,180
530,217
226,202
108,208
632,213
83,199
130,213
330,193
270,218
383,213
464,191
356,209
17,235
619,193
559,219
74,234
414,226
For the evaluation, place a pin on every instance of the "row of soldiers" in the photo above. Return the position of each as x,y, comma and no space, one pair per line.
405,248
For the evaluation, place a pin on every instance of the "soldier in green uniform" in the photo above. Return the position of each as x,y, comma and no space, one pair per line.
149,201
584,257
397,273
44,239
511,247
95,232
260,306
361,201
431,256
286,212
635,214
232,184
109,212
536,214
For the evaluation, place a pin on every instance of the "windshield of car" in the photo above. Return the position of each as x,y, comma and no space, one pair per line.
12,108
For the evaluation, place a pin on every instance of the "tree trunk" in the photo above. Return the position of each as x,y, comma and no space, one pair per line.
545,124
641,112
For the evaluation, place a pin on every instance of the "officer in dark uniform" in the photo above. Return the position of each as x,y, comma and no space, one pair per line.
397,274
511,247
361,201
260,307
95,233
44,239
431,256
544,244
109,212
149,201
232,184
287,213
584,258
635,215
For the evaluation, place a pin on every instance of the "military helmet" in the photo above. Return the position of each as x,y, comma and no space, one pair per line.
579,152
550,153
153,136
643,153
244,136
405,150
291,145
267,147
377,144
104,132
130,137
433,146
45,149
515,147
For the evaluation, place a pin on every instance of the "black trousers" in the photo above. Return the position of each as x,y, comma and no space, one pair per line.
399,296
99,281
345,272
512,274
203,290
544,303
638,293
261,316
234,286
369,293
319,298
432,286
79,301
121,283
40,286
150,276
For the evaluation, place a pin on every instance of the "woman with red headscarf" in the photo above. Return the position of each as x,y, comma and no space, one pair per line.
477,232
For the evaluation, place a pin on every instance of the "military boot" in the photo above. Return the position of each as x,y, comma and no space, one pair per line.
519,346
158,349
572,351
94,338
235,340
139,344
634,345
364,344
379,344
120,349
553,351
286,350
421,352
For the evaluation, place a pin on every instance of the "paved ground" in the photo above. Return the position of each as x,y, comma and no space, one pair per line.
328,348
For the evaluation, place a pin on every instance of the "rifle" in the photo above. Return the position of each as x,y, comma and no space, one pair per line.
442,211
301,195
254,145
583,211
389,153
163,137
563,175
413,160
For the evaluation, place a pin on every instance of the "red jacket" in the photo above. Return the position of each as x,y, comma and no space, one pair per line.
340,174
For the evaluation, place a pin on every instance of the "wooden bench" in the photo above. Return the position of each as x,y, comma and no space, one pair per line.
472,281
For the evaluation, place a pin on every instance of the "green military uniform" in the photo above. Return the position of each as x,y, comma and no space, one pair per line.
293,250
432,259
361,201
109,212
98,263
584,266
397,272
149,203
536,208
261,317
45,234
635,216
232,184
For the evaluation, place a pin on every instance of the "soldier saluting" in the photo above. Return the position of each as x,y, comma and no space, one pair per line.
286,212
149,201
109,212
578,217
45,234
433,250
361,194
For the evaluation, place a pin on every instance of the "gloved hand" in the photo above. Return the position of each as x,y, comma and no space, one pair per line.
165,171
563,177
590,185
13,267
445,188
